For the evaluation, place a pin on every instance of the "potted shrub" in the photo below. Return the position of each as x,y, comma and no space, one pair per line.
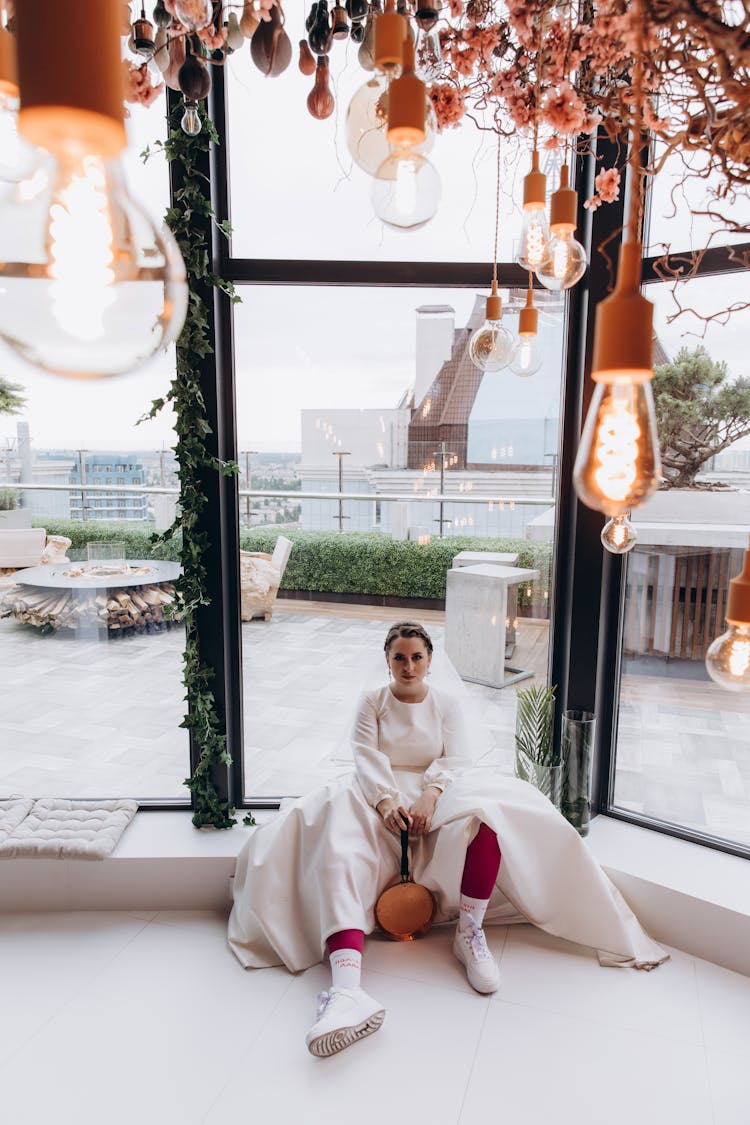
537,759
10,513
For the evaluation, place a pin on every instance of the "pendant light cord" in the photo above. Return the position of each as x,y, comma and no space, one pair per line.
635,212
497,212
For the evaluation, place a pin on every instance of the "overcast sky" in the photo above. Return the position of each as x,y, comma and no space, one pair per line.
296,194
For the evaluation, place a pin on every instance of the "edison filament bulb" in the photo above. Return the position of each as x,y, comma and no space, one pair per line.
406,190
618,466
619,536
491,346
565,261
526,357
728,657
534,237
91,286
564,264
532,250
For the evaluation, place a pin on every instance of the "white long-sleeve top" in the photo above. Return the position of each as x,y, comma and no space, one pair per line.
390,736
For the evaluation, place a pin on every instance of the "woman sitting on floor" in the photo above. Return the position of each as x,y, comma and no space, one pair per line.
308,880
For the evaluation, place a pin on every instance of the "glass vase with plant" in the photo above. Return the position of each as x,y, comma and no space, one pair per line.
537,758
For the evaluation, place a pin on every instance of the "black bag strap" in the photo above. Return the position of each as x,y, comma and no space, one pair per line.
404,855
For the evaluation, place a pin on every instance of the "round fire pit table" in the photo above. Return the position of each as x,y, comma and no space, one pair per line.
85,596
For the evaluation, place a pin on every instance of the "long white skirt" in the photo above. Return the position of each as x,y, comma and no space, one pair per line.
320,864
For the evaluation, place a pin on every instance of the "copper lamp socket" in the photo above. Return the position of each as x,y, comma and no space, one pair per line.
407,103
143,37
534,186
738,601
528,318
563,206
623,332
72,86
8,67
494,309
391,29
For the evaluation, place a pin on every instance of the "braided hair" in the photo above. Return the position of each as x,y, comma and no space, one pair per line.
407,629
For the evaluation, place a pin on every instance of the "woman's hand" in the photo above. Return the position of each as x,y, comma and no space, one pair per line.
395,817
423,810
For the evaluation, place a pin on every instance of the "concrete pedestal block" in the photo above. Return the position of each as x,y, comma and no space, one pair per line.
476,612
496,558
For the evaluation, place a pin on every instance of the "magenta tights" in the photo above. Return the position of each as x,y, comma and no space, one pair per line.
480,871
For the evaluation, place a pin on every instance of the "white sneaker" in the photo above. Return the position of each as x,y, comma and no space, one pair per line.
344,1016
470,946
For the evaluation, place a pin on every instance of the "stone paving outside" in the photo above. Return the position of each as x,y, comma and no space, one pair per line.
89,718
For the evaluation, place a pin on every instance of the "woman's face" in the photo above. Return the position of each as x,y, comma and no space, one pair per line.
408,660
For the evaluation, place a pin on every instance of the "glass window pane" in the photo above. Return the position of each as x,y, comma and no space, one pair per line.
683,743
684,213
297,194
371,383
91,685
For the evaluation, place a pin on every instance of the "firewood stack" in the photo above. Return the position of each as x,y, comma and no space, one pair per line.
133,609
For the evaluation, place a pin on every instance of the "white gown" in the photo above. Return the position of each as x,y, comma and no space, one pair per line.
320,864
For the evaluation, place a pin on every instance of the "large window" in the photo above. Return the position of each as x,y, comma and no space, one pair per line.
379,394
683,743
297,193
92,699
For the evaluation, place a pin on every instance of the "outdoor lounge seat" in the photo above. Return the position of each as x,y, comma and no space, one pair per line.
260,577
21,547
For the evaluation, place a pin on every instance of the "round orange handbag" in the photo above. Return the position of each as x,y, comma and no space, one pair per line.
405,910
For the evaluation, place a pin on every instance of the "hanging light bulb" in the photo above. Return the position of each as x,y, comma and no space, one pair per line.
618,465
367,125
728,657
16,157
429,56
526,357
565,262
190,122
91,286
406,188
532,250
618,535
491,346
194,14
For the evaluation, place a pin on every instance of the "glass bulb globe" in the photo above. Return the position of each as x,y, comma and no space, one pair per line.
191,121
406,190
532,250
619,536
618,466
728,658
526,357
194,14
90,287
491,346
565,263
17,157
367,121
429,57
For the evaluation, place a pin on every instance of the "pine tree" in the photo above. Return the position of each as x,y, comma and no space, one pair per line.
698,412
11,402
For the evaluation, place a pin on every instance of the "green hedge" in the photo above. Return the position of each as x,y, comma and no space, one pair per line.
373,563
332,563
135,534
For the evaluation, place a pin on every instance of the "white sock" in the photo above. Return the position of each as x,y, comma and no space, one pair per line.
346,968
471,908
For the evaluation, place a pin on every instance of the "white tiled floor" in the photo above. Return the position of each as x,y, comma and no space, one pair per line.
121,1018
